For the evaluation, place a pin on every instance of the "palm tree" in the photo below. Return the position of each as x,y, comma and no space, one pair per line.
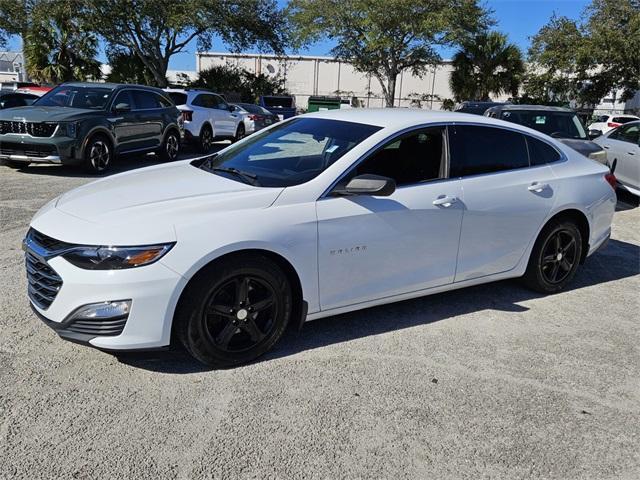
486,65
56,46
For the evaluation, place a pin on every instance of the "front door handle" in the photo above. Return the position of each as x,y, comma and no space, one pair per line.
445,201
630,153
607,147
537,187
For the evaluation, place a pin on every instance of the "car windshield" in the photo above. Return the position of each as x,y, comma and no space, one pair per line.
555,124
94,98
289,154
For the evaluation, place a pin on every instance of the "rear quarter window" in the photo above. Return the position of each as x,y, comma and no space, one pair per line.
540,152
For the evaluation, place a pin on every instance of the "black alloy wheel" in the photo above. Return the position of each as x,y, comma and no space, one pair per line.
170,147
98,154
240,133
555,257
234,311
206,139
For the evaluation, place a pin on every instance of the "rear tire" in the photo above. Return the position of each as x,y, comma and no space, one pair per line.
206,139
170,147
555,257
98,154
234,311
240,133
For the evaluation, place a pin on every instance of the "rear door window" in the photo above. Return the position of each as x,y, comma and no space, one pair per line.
476,150
124,96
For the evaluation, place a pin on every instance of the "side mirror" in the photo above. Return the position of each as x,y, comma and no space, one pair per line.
122,107
368,184
231,108
594,134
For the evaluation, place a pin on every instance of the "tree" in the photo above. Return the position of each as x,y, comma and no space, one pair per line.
57,46
234,82
486,65
582,61
385,37
126,67
155,30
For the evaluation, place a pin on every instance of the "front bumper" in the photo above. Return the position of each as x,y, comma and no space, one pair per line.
28,149
152,290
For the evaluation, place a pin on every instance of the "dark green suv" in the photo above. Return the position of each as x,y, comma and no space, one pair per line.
89,124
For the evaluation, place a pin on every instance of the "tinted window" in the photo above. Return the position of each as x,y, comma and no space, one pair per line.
541,152
414,158
254,109
145,100
10,101
94,98
293,152
124,97
628,133
476,150
282,102
178,98
219,102
556,124
164,101
623,119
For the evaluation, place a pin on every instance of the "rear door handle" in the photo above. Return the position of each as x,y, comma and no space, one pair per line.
607,147
630,153
537,187
445,201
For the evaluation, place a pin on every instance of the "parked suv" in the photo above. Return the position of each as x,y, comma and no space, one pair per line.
207,117
90,124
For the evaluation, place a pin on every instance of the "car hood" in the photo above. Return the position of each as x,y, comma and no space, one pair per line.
45,114
143,206
585,147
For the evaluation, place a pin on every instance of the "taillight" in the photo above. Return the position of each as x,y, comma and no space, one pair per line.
611,180
255,117
613,124
187,115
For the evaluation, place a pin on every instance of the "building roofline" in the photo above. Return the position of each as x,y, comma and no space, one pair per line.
280,57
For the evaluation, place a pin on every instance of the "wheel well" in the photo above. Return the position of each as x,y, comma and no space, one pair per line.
283,263
98,133
582,223
205,124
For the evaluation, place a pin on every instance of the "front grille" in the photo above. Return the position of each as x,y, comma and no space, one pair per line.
47,242
35,129
38,151
103,328
44,282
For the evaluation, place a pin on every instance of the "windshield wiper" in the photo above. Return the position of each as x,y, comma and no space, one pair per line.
249,178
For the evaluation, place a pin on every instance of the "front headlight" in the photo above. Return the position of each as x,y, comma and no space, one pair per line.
116,258
68,129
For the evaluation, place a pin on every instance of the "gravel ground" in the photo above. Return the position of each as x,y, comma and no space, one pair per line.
488,382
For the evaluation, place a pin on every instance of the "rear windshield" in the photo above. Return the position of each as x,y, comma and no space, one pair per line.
555,124
94,98
178,98
251,108
623,119
282,102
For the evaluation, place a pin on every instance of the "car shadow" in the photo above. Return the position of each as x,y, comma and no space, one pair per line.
626,200
616,261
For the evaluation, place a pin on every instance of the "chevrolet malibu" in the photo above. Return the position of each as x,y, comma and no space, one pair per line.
318,215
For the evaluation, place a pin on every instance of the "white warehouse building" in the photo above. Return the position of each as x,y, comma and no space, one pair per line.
305,76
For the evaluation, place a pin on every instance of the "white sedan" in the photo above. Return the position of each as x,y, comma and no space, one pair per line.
322,214
623,146
606,123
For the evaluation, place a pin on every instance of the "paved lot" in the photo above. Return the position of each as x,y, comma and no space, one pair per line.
488,382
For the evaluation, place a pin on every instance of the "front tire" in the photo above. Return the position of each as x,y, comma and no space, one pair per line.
555,257
234,311
98,154
170,147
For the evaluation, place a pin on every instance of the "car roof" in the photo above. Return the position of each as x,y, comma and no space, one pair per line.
112,86
530,108
399,118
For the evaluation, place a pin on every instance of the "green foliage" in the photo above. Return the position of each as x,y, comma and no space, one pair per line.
448,104
384,37
126,67
57,45
486,65
238,84
155,30
585,60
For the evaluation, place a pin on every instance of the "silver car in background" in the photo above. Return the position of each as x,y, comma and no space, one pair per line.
623,145
254,116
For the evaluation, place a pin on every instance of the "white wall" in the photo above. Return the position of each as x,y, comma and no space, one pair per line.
305,76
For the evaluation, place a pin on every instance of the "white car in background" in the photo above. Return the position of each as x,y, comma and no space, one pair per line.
255,117
606,123
207,117
319,215
623,145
